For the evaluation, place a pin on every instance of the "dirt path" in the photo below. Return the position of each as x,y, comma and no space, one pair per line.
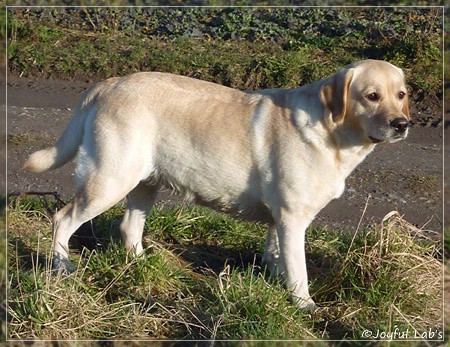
405,176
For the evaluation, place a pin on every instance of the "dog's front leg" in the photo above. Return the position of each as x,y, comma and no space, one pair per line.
291,239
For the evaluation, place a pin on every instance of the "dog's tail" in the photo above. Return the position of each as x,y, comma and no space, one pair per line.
68,144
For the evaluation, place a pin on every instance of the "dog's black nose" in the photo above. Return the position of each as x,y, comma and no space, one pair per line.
400,124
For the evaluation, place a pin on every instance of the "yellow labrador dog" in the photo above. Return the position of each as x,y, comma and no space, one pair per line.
276,156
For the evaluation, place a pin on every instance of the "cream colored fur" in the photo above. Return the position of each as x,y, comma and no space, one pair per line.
276,156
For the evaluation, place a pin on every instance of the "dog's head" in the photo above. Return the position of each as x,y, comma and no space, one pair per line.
369,95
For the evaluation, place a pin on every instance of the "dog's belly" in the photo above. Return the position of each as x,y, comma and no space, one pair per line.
220,191
243,207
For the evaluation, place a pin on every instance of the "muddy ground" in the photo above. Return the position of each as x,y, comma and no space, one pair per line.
405,176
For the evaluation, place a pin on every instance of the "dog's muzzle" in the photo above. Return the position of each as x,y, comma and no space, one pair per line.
394,131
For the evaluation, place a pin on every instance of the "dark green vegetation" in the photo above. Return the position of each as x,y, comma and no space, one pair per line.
232,3
243,48
201,277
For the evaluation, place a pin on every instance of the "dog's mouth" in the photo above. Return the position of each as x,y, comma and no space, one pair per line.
375,140
387,137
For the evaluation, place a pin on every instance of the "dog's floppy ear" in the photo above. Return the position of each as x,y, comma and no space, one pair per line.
405,108
334,93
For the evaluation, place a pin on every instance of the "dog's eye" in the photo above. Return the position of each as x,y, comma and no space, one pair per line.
373,97
401,95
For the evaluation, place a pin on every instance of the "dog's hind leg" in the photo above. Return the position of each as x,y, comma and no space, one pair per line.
272,251
139,203
97,194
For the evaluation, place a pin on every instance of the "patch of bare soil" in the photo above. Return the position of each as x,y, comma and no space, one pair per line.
405,176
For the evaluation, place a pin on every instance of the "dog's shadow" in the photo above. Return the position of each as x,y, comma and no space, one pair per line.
199,256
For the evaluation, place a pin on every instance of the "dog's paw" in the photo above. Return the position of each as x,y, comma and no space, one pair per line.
63,265
270,260
306,305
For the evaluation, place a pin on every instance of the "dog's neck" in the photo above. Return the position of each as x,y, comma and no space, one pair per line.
349,147
350,150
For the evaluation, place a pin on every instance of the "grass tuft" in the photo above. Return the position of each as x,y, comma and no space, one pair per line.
391,270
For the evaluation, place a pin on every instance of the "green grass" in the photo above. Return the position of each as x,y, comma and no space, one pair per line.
201,278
